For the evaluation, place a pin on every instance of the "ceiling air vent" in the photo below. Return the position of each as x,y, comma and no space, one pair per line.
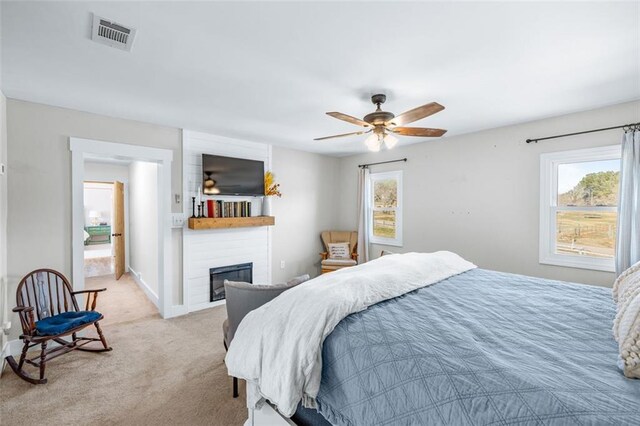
112,34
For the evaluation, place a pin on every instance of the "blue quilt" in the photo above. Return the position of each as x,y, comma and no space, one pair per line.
480,348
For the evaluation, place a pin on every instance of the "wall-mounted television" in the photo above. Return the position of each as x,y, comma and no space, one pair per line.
232,176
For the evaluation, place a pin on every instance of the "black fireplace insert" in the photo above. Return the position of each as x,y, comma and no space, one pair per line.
240,272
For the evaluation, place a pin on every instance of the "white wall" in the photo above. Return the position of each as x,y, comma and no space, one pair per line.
143,225
98,197
478,194
309,205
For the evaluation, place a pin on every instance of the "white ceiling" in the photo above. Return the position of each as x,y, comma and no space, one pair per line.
268,71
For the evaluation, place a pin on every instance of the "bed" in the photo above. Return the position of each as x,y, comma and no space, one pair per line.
479,347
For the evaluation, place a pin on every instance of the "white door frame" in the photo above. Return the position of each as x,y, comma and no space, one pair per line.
83,148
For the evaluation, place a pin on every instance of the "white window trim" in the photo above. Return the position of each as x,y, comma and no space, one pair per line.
548,206
397,242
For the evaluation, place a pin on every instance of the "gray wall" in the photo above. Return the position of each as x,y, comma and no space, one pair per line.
4,291
478,194
308,206
39,193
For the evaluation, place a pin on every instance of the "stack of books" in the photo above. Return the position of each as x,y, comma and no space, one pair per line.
219,208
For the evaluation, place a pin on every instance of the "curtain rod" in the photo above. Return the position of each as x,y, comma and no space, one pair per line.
625,126
382,162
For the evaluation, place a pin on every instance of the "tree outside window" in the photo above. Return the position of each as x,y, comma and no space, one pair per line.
385,191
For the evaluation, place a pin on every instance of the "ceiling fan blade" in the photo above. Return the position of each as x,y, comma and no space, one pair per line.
416,114
419,131
342,135
349,119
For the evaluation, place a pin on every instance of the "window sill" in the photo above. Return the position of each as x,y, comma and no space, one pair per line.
385,242
580,263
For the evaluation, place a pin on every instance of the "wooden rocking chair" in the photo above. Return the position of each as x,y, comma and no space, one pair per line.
49,294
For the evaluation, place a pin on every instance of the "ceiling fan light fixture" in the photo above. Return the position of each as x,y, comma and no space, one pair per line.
373,143
384,126
390,141
374,148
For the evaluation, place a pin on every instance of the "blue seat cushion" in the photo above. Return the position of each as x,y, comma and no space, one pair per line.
65,321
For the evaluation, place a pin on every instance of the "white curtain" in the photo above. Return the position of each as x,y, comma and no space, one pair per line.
628,244
363,217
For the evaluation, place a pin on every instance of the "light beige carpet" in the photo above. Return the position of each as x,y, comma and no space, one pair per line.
160,372
98,266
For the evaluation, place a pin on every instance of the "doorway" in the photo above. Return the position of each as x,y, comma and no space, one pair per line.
147,225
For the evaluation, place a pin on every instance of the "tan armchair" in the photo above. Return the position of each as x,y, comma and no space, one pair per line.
330,237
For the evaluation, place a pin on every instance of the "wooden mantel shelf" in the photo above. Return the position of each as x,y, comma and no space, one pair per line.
230,222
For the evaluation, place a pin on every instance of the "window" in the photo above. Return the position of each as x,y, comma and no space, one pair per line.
385,208
578,207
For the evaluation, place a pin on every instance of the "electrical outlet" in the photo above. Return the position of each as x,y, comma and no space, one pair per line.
6,327
282,264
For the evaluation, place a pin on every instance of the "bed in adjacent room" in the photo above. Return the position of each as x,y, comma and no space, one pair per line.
478,347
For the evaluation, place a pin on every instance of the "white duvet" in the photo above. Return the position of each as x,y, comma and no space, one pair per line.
277,348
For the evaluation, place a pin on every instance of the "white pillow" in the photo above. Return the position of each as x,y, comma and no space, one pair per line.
339,251
626,283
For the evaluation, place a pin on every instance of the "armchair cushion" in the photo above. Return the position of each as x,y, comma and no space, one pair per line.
339,262
65,321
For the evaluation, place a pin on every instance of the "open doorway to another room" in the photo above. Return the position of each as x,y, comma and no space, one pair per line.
141,176
121,234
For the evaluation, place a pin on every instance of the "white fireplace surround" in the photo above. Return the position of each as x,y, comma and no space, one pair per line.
204,249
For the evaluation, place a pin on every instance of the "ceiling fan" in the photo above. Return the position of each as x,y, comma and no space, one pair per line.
383,125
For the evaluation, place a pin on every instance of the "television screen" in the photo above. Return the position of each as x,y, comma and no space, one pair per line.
232,176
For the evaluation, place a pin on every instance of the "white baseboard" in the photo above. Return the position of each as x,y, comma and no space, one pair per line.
14,347
178,310
201,306
5,353
145,287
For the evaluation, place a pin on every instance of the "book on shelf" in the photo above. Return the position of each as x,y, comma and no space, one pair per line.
220,208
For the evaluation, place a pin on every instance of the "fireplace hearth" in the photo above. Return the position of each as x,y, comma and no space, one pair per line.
239,272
